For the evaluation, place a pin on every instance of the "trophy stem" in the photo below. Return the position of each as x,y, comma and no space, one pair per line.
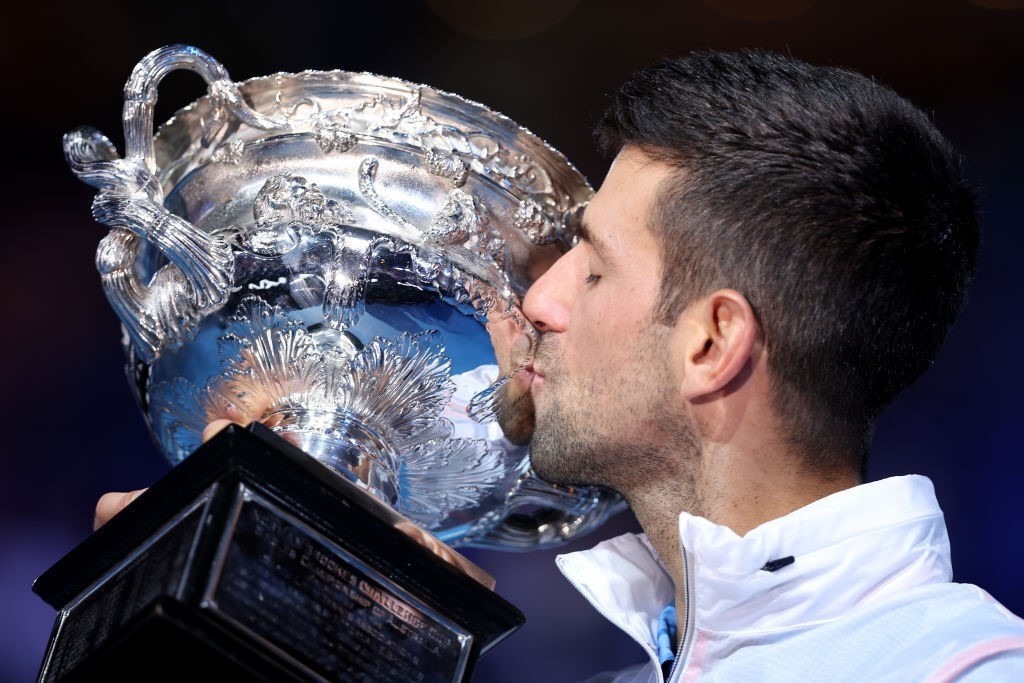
343,443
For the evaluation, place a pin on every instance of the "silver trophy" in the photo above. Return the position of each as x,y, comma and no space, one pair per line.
337,258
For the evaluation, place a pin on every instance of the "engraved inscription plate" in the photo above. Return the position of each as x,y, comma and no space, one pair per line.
327,610
153,570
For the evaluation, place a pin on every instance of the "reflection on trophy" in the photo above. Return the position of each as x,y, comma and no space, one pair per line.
335,259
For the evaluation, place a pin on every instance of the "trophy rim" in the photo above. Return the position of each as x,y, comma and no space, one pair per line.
576,186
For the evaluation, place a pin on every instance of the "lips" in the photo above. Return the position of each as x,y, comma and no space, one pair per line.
531,375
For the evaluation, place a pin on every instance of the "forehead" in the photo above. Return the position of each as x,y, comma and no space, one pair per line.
620,211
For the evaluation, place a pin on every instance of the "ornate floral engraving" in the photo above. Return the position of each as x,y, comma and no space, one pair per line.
443,475
455,222
346,282
287,108
231,153
284,205
287,198
272,361
401,384
450,152
334,138
445,164
393,388
177,414
537,223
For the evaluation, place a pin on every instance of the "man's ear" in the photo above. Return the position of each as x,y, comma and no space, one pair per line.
719,337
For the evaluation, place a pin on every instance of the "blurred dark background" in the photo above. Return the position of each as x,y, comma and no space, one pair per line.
73,431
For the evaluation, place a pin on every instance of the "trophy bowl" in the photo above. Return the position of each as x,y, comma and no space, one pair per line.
338,259
341,256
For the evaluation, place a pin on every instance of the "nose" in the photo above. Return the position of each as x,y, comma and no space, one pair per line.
549,299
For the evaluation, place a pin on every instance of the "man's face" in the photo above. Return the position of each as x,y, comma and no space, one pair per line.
603,384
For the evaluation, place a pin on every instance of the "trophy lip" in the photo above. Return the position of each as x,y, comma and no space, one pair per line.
501,120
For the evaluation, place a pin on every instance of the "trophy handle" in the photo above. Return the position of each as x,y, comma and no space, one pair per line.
200,266
539,514
140,94
140,99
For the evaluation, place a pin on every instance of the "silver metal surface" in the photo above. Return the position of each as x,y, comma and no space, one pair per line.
326,252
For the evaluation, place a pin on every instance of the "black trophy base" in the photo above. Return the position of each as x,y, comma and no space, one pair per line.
252,561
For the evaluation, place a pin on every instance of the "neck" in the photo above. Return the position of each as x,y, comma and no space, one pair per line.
743,493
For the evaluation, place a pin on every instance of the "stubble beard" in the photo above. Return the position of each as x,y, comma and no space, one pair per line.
583,438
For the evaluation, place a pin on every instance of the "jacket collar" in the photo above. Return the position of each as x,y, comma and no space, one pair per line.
849,549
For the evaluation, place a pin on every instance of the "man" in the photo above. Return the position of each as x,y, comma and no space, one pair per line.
777,251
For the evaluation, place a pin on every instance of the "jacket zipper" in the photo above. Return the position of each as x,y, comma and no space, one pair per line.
686,631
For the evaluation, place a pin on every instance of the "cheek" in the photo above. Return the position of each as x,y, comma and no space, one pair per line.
603,335
619,313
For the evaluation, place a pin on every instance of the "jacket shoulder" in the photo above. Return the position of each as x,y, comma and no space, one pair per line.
949,631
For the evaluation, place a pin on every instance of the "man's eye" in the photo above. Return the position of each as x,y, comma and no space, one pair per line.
591,279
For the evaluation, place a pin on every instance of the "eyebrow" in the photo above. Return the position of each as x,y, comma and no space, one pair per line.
584,232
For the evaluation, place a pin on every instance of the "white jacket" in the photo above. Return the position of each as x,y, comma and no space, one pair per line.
867,597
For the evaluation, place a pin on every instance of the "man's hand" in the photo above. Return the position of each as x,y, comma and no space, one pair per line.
443,551
110,504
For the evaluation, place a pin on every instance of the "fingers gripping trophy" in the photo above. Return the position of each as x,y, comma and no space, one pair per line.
336,260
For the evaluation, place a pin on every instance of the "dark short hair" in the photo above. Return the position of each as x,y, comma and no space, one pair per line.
835,207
